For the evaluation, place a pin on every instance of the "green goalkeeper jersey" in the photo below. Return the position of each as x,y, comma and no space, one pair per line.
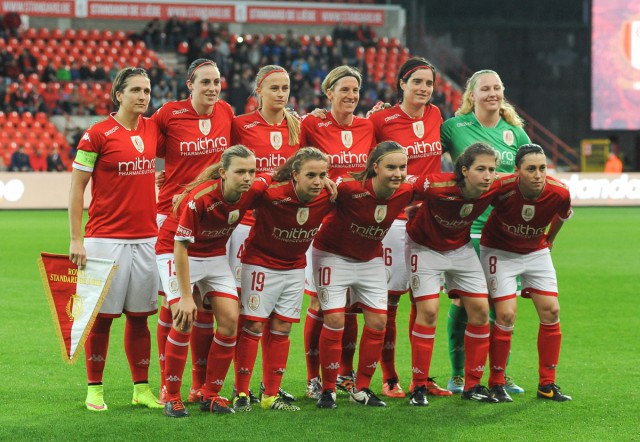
458,133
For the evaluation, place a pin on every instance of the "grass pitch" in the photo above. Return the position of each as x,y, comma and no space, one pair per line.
597,259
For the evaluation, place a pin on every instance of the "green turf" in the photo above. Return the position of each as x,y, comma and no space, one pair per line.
596,256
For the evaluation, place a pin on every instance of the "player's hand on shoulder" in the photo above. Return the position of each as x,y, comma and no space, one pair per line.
319,113
378,107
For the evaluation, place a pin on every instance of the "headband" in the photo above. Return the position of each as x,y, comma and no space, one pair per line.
199,66
406,76
345,74
269,73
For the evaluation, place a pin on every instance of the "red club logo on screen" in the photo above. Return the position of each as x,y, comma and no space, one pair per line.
631,42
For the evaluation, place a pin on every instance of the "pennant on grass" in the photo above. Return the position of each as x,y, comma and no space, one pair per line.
75,297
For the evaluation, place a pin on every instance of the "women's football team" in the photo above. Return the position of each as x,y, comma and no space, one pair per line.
256,210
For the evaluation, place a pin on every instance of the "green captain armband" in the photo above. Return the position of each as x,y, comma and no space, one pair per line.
87,159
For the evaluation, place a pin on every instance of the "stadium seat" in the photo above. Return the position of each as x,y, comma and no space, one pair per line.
44,33
82,34
95,35
70,34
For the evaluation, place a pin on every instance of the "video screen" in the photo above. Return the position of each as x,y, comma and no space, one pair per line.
615,65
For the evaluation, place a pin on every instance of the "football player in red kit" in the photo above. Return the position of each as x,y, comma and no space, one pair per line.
118,156
415,124
288,217
438,241
272,132
347,254
191,250
515,242
195,132
347,140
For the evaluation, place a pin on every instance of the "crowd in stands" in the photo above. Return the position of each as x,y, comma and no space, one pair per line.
80,85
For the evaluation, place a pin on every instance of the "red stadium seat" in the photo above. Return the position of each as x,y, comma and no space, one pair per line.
70,34
57,34
94,35
27,117
107,35
82,34
30,33
44,33
183,48
41,117
13,117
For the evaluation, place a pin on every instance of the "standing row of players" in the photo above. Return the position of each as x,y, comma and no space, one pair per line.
119,153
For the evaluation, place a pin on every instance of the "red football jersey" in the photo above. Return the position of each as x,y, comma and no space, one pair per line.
206,219
123,165
284,228
191,143
443,221
519,225
361,220
421,136
348,147
270,144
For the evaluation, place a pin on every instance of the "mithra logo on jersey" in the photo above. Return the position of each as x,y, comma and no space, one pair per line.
204,145
295,234
216,233
452,224
140,166
524,230
369,232
270,161
423,148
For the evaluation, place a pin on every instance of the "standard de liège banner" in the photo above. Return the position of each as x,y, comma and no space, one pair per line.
75,297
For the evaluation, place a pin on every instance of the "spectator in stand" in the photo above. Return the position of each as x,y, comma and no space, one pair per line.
48,73
54,161
24,100
12,23
20,161
366,35
85,72
38,160
5,58
173,30
27,62
63,73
